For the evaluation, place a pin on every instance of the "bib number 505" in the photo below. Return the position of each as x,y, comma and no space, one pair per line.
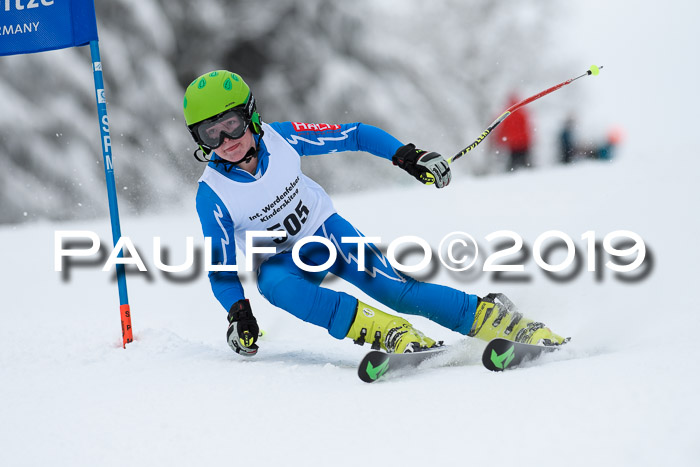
292,223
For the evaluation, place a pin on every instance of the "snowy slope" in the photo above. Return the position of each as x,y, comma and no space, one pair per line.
621,394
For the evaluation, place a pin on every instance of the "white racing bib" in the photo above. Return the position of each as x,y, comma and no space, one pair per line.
283,198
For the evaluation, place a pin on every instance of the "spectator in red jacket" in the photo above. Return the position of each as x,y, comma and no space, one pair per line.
514,134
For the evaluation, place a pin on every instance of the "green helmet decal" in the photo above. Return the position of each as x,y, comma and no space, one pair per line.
215,92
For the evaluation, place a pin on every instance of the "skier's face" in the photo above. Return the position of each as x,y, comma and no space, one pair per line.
233,150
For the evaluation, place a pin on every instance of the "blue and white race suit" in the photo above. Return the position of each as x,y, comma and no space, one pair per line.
279,197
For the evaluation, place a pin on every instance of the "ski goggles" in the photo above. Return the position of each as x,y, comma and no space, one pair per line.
211,132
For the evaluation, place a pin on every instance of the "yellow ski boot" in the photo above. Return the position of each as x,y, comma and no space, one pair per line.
385,331
496,316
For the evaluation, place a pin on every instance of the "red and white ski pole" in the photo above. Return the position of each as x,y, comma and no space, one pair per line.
593,70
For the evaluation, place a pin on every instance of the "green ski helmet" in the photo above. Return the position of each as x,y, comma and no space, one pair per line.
214,96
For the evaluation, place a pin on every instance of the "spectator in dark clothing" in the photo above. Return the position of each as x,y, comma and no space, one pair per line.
569,151
566,142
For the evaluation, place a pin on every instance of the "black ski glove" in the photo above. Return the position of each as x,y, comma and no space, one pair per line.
426,167
243,329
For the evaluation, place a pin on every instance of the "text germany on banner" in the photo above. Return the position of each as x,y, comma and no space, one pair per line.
28,26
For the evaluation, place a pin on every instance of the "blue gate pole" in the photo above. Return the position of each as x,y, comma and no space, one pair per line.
124,310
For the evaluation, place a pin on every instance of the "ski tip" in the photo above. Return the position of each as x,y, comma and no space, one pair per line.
373,366
502,354
498,354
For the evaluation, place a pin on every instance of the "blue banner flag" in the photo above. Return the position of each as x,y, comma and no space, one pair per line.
28,26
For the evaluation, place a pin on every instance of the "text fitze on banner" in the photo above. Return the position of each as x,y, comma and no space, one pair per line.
28,26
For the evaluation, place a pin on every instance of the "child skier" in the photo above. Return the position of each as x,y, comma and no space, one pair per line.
253,182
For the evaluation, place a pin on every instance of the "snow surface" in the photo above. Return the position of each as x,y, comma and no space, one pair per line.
623,392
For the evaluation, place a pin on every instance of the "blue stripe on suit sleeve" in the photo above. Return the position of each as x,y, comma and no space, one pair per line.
338,138
218,225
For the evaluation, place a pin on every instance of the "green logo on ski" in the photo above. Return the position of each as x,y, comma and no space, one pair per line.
375,372
503,360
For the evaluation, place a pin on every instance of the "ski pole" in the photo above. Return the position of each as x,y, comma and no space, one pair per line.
593,70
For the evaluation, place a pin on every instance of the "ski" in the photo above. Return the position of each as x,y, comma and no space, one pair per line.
499,355
502,354
376,364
